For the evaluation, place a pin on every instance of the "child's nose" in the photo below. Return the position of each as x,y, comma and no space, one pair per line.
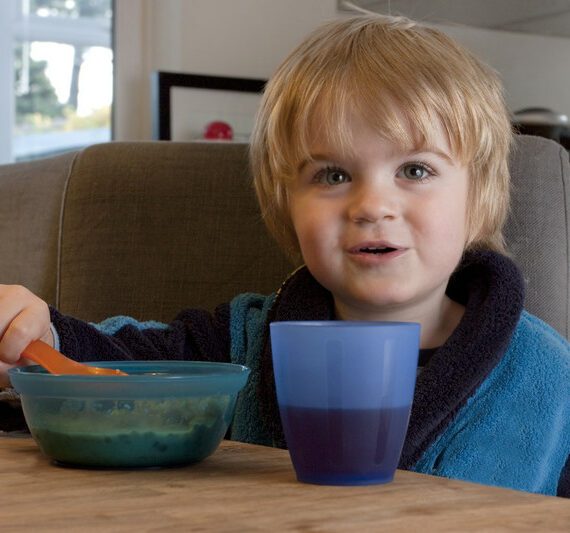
374,203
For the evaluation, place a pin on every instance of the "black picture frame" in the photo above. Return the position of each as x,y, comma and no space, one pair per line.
162,82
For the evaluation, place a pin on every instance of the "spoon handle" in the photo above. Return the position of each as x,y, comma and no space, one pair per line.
56,363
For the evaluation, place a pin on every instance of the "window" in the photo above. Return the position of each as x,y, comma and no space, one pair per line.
57,58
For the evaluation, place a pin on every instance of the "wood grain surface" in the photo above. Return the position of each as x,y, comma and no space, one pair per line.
250,488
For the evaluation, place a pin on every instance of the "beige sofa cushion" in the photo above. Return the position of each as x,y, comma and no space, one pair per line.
537,231
30,208
151,228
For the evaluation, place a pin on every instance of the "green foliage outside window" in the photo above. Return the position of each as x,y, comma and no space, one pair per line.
40,98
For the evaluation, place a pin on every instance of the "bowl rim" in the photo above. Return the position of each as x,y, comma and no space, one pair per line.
34,380
219,370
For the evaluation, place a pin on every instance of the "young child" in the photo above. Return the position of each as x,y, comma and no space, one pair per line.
380,157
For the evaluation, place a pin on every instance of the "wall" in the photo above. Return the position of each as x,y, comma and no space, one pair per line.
535,69
248,38
242,38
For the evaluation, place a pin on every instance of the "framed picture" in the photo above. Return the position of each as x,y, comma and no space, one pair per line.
197,107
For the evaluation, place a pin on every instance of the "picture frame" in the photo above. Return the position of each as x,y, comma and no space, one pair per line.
184,104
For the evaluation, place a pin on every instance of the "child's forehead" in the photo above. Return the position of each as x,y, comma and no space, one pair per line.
328,135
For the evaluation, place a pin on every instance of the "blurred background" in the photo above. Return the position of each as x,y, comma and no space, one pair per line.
78,72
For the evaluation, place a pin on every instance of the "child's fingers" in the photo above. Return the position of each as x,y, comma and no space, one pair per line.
23,318
4,381
4,367
30,324
13,300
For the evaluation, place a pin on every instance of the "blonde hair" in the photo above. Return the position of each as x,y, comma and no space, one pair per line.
382,68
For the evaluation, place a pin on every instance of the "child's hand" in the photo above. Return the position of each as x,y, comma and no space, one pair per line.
23,318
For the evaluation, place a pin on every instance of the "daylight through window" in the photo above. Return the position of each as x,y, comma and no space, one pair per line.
61,72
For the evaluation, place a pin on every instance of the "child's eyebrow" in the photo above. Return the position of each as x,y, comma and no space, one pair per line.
412,153
311,158
431,150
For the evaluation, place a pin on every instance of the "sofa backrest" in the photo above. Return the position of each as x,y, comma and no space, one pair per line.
538,228
149,228
31,197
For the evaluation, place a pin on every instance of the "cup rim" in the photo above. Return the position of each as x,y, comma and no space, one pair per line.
341,323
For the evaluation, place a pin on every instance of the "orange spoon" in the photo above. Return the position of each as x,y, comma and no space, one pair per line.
56,363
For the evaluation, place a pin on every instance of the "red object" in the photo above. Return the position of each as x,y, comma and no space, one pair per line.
218,130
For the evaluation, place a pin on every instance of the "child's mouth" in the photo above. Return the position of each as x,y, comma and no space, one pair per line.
377,250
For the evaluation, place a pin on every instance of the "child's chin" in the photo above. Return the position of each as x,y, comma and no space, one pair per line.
373,307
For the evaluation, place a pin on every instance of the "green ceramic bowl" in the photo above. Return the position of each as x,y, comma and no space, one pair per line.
161,414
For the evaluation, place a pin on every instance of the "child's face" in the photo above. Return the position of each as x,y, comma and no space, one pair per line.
382,229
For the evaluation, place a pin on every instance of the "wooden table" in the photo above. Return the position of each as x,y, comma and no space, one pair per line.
250,488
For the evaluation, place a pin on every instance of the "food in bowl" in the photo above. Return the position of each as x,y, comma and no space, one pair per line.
160,414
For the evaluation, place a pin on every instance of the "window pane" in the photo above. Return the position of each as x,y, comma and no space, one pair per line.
71,8
63,79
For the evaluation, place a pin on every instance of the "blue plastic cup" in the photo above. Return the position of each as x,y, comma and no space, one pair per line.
345,391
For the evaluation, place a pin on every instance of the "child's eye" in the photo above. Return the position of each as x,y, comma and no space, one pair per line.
416,171
332,176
